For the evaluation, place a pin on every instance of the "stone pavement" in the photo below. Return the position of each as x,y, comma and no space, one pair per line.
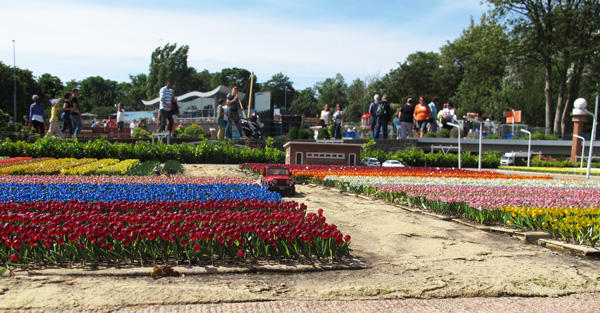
575,304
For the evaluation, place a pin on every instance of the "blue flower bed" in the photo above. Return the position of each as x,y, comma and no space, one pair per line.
134,192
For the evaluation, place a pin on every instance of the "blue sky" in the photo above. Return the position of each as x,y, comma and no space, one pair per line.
307,40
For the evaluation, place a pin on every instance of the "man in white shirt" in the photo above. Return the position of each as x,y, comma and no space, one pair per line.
166,119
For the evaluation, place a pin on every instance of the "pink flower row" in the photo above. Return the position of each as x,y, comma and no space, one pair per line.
176,179
491,198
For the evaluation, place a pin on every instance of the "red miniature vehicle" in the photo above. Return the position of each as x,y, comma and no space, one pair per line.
277,178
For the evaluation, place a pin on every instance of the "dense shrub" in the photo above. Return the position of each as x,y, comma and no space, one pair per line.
194,131
443,133
139,133
173,166
204,152
145,168
324,134
293,133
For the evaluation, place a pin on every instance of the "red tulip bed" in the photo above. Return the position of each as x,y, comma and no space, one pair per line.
567,209
62,220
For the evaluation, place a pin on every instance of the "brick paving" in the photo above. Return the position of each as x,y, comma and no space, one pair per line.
575,304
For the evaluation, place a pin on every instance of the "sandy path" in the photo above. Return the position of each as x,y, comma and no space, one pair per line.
408,255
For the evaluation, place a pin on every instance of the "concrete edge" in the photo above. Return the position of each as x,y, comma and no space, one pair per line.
352,264
569,248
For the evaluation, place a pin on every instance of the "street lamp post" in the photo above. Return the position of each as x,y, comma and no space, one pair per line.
528,147
580,107
15,79
458,127
480,136
582,148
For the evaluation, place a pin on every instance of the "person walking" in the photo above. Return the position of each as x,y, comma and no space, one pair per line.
133,125
406,119
54,125
325,117
37,116
373,112
233,113
422,115
221,119
66,115
338,118
432,122
383,114
120,117
166,119
76,113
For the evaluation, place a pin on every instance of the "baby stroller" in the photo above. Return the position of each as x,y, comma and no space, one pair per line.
252,127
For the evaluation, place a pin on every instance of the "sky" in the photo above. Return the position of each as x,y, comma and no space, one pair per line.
307,40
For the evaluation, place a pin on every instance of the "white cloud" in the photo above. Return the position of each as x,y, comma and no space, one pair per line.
80,40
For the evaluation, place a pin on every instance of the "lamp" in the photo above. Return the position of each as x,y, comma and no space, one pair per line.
582,148
458,127
528,147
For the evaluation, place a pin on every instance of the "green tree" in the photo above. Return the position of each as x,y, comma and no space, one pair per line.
98,92
26,87
558,34
481,55
358,101
51,86
305,102
282,90
332,91
170,63
131,94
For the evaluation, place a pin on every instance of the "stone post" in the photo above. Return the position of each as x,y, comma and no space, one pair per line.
578,121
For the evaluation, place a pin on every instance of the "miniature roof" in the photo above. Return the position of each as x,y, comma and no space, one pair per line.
219,92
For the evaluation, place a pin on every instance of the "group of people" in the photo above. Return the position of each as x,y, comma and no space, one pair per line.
71,116
337,118
421,117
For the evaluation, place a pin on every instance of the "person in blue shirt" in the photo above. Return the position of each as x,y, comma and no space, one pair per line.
432,125
166,118
37,116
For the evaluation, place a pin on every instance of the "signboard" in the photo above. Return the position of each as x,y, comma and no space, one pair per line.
262,102
512,116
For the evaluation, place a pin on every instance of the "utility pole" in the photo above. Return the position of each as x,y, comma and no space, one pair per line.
15,80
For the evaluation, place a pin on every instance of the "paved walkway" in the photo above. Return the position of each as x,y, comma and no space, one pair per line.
575,303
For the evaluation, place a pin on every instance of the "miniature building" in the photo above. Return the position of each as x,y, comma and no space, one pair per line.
322,153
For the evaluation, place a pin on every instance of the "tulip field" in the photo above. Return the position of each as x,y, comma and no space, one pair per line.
49,216
567,209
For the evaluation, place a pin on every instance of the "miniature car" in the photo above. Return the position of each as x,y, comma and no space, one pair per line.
370,162
277,178
392,163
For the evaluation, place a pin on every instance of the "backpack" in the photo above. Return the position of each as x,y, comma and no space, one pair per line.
381,111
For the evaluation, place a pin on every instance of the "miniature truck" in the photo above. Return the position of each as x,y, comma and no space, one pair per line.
514,159
277,178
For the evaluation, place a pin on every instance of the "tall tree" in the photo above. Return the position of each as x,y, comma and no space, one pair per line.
332,91
170,63
98,92
549,31
282,90
51,86
358,101
26,87
480,56
305,102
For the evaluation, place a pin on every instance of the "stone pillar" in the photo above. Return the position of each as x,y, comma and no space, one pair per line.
578,121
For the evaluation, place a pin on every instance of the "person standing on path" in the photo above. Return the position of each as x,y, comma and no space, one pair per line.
66,115
37,116
120,117
166,119
221,119
54,125
233,113
373,112
338,118
422,115
325,117
76,113
432,122
383,114
406,119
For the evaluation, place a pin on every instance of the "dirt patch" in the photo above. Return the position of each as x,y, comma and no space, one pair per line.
408,255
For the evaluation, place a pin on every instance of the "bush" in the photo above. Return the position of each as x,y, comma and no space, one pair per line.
145,168
492,136
443,133
304,134
454,132
324,134
430,135
473,135
139,133
193,131
173,166
293,133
